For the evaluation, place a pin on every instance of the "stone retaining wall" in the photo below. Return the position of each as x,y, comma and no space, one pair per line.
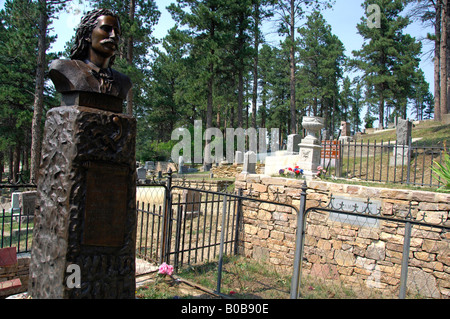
231,170
20,270
367,254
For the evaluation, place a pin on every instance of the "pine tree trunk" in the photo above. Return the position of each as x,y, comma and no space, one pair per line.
443,60
39,93
446,106
381,112
437,81
255,66
2,166
240,98
16,162
293,126
130,58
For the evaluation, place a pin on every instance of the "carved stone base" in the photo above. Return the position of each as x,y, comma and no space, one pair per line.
309,159
85,209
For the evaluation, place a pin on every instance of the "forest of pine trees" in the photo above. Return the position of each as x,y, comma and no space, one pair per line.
216,66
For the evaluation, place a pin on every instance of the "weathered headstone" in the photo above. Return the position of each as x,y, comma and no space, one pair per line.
345,128
141,173
27,202
249,163
293,143
191,208
150,165
15,207
85,220
345,132
404,131
401,152
238,158
181,168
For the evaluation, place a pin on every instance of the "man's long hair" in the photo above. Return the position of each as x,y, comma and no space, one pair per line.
80,49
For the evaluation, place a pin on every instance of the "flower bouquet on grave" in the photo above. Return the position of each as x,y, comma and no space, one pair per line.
321,171
298,172
291,172
165,272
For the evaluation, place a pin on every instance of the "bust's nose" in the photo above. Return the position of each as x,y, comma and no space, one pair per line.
113,34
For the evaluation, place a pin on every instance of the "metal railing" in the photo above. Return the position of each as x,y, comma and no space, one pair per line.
16,219
364,252
383,162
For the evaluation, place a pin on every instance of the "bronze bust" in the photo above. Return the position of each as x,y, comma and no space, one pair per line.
88,79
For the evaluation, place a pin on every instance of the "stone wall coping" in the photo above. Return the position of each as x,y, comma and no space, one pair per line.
351,189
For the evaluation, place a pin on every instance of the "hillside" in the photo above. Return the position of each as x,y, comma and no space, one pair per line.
424,133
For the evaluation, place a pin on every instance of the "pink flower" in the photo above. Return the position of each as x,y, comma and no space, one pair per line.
165,269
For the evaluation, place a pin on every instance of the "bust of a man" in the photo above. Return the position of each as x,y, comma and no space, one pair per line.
88,79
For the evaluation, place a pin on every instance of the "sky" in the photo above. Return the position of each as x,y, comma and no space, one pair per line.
342,17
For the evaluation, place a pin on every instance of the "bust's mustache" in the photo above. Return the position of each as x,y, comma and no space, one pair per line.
109,41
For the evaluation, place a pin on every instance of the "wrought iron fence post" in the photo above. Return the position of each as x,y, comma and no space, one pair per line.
238,219
222,238
408,170
405,258
167,218
296,276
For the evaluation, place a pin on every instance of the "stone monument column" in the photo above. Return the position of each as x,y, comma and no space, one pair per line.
85,219
310,147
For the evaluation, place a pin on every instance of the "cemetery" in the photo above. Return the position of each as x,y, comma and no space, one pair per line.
359,252
327,211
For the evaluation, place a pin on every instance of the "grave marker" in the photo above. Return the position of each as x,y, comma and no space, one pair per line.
293,143
249,163
86,195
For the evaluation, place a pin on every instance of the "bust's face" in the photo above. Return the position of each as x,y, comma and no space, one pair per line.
105,36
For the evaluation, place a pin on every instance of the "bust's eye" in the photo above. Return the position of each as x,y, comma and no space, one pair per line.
106,28
109,29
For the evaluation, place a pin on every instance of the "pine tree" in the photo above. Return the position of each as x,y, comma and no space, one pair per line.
290,12
388,56
18,50
429,12
47,9
321,55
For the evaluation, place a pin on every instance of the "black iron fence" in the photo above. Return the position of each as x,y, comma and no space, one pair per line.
183,225
16,215
383,162
346,249
186,226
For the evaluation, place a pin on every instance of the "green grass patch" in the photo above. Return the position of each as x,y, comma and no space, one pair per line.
430,134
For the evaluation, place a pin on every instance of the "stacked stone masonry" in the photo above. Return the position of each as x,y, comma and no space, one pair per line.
367,255
19,270
230,170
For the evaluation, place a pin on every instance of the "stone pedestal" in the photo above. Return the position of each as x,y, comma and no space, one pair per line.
85,216
309,159
310,147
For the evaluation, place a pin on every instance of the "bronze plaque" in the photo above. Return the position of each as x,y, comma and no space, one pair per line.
106,205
